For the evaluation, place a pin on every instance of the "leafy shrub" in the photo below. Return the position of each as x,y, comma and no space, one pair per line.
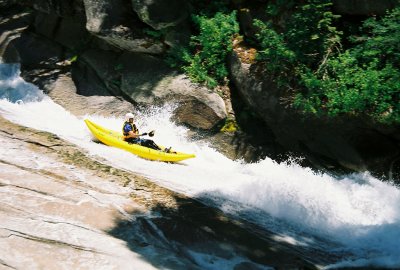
205,60
383,42
362,80
274,49
306,40
311,33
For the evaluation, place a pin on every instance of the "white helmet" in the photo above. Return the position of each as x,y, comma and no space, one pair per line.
128,116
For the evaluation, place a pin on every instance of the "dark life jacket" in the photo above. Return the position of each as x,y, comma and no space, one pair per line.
133,127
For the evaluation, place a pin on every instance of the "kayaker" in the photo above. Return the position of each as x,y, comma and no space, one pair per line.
132,135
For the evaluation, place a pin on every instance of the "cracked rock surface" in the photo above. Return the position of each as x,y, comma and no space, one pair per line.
56,215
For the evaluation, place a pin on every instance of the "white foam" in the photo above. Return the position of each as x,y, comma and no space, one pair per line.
359,211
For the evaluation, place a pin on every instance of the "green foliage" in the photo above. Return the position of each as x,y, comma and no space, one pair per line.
205,61
352,89
303,53
362,80
274,50
156,34
230,126
383,42
311,32
178,57
308,39
73,58
198,71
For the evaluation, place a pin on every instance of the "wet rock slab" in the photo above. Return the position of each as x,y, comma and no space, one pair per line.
52,215
60,208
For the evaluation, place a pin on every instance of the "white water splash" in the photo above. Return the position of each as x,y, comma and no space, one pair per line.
358,211
14,88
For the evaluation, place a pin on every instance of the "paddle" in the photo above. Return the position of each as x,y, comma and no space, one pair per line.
151,133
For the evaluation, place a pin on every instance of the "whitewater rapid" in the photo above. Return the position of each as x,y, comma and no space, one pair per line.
359,213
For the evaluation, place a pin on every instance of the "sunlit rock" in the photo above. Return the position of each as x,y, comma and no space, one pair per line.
148,80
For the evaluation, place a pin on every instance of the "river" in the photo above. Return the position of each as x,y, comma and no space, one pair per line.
355,217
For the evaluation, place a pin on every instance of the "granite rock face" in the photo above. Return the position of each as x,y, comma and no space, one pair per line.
116,48
145,79
103,47
353,143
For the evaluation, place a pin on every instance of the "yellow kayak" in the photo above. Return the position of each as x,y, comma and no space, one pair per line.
115,139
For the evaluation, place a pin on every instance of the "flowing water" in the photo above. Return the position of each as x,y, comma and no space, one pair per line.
356,214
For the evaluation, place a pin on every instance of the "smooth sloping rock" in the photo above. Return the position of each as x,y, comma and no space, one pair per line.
63,91
57,216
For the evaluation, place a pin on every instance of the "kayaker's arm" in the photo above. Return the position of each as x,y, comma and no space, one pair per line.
136,135
132,134
130,131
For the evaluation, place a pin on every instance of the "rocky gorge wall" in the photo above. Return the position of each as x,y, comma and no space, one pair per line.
355,143
104,48
117,48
